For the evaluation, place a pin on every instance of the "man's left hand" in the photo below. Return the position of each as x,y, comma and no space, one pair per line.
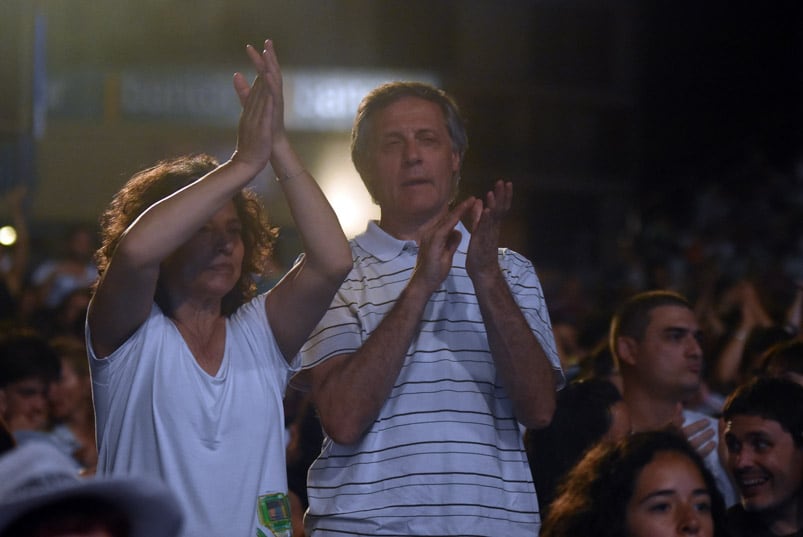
485,224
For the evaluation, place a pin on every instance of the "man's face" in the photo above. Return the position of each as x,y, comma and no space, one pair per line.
26,404
412,166
765,463
669,358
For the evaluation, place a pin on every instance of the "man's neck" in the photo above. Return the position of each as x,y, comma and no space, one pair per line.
786,519
648,411
403,233
408,228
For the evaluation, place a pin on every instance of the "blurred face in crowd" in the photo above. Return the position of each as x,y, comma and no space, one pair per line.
669,358
70,393
670,498
26,404
81,245
765,463
412,166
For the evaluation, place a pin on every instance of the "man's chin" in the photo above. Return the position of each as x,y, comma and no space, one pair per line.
757,503
690,390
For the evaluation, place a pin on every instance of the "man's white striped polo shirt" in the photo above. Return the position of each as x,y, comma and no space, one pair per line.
445,455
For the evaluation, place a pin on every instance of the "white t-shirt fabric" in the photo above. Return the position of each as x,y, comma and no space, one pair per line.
445,455
218,442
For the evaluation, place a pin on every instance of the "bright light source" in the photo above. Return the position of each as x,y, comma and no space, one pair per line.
353,209
344,189
8,235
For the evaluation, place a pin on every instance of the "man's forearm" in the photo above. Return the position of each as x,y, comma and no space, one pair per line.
522,364
349,391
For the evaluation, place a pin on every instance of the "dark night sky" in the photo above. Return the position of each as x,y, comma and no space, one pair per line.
721,79
719,93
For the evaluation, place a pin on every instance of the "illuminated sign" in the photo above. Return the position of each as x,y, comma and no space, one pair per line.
316,100
328,100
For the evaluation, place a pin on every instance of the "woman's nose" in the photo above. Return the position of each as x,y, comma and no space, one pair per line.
690,521
223,242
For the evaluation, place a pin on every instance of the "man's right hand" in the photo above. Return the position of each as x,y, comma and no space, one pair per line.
438,244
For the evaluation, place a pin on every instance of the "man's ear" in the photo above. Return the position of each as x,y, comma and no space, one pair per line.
627,350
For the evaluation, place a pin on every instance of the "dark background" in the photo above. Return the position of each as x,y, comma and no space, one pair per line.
613,118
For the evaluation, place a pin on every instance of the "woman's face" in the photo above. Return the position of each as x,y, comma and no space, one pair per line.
670,498
210,262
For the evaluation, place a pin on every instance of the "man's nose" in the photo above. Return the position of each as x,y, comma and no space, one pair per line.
742,459
412,154
693,347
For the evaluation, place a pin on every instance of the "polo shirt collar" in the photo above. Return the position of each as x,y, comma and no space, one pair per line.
385,247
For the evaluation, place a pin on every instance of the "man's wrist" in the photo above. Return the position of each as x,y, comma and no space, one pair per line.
419,289
487,278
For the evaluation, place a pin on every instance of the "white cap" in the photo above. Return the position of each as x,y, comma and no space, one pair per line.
37,474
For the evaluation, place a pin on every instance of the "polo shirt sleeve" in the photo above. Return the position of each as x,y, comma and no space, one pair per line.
339,331
528,294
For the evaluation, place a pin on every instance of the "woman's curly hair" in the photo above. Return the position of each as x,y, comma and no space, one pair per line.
151,185
593,498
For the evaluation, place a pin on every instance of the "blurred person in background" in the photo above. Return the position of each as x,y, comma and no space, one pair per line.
657,343
784,360
41,495
71,412
749,329
6,438
73,269
28,368
586,412
68,318
600,364
764,440
14,259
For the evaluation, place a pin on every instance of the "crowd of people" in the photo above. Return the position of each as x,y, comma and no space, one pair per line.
415,380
